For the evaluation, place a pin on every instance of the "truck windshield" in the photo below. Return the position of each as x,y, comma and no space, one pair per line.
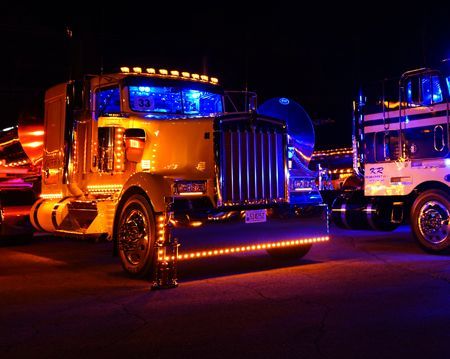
174,100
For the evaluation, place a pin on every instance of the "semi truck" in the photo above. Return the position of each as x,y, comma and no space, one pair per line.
401,162
151,160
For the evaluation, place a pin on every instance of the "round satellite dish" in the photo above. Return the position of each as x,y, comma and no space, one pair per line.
299,124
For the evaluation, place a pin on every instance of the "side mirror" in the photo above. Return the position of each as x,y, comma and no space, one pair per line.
134,144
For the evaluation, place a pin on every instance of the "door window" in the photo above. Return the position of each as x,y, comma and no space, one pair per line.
387,146
107,101
424,91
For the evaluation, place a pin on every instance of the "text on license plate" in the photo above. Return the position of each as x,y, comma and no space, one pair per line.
255,216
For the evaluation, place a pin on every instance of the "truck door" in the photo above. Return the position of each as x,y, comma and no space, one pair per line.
53,158
424,115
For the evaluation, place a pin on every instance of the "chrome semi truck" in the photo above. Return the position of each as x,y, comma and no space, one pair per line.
151,160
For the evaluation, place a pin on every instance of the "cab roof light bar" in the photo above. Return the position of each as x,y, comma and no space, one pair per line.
169,73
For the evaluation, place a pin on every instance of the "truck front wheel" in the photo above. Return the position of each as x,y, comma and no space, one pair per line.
135,236
430,220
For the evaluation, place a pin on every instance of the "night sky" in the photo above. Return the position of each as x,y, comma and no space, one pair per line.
319,56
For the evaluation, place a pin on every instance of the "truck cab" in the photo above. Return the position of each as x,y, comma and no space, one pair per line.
401,156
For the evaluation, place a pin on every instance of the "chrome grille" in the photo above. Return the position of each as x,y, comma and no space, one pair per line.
252,161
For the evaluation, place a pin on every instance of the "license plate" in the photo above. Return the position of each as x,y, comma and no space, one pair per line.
255,216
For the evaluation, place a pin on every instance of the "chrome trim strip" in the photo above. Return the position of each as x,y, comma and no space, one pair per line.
276,165
269,150
222,169
239,164
232,165
255,165
247,165
263,184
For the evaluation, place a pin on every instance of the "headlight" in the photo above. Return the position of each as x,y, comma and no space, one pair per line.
302,184
190,188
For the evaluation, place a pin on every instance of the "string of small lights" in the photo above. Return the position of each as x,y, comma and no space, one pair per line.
150,71
333,152
241,249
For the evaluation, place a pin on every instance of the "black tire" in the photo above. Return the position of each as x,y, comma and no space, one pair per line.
430,221
136,236
289,252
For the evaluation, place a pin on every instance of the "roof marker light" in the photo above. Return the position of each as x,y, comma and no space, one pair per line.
137,69
163,72
175,73
195,76
185,74
125,69
151,70
214,80
204,78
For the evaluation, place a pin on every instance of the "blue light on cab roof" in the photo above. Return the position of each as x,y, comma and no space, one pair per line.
193,94
283,101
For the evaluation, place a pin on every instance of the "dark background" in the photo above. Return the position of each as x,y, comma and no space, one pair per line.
319,56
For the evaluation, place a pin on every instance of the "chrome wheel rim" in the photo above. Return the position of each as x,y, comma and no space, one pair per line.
134,236
433,222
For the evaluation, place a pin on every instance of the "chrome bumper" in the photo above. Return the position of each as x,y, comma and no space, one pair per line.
226,232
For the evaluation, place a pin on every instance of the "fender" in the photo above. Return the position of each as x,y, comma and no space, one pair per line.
156,187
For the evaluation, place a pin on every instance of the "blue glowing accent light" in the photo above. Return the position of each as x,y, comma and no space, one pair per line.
361,97
174,100
447,162
197,102
431,90
283,101
290,153
409,91
436,89
107,101
437,98
406,119
193,94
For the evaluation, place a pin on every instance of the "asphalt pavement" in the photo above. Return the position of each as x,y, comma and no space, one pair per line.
362,295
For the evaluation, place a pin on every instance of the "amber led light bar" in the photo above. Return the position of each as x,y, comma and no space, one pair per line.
51,195
171,73
241,249
105,188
